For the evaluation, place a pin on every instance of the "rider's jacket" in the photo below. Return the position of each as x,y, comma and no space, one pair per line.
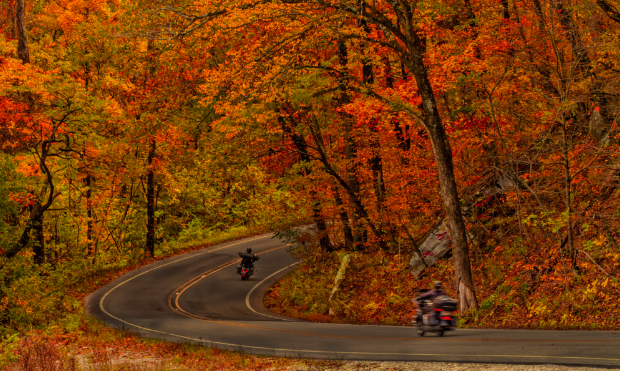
248,259
430,295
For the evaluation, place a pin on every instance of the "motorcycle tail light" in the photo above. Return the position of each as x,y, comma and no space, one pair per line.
437,310
447,318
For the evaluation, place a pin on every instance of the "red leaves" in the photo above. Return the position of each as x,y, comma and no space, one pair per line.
472,122
16,124
24,200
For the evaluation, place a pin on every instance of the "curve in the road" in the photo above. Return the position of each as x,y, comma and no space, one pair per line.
263,282
198,297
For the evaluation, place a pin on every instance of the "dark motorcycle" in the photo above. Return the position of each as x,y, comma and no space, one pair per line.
246,266
245,271
436,315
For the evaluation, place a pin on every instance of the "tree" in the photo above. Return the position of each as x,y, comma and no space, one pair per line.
395,30
22,36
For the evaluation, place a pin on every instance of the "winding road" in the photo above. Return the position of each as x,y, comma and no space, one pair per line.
198,297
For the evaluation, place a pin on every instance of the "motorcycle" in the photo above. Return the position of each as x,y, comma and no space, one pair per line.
245,271
436,315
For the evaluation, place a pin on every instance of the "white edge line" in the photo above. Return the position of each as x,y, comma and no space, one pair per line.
207,251
247,297
300,350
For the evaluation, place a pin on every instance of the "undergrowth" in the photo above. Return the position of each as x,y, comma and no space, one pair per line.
543,293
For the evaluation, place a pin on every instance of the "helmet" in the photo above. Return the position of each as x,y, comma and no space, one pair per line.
249,250
437,285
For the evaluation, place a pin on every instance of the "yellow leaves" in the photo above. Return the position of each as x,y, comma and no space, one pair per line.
538,309
114,109
27,166
371,308
605,282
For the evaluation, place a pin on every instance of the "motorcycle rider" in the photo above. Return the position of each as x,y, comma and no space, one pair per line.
430,296
247,258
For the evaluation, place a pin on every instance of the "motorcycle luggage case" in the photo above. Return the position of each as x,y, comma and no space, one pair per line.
429,319
445,303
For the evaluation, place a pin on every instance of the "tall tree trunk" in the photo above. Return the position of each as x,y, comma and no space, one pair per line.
542,67
350,154
505,10
584,65
150,175
317,212
150,201
349,237
35,220
321,225
580,55
377,170
570,252
609,9
367,73
22,36
39,238
350,149
376,162
90,249
354,196
344,218
443,155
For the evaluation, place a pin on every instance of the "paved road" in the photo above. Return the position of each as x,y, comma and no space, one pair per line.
198,297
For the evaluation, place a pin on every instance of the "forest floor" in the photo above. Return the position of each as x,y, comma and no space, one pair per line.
103,349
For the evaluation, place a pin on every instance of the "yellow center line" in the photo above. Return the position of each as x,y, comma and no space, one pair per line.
173,303
299,351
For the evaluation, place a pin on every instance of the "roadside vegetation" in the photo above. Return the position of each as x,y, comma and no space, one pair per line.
45,326
134,130
95,347
378,289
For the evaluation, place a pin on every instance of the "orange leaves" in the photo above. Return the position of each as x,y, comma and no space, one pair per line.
70,14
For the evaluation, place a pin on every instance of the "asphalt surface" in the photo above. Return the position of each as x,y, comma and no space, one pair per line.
198,297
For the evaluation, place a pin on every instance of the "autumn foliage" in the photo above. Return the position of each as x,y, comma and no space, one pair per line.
135,129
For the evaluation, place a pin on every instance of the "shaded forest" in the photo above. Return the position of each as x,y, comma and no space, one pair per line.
132,130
